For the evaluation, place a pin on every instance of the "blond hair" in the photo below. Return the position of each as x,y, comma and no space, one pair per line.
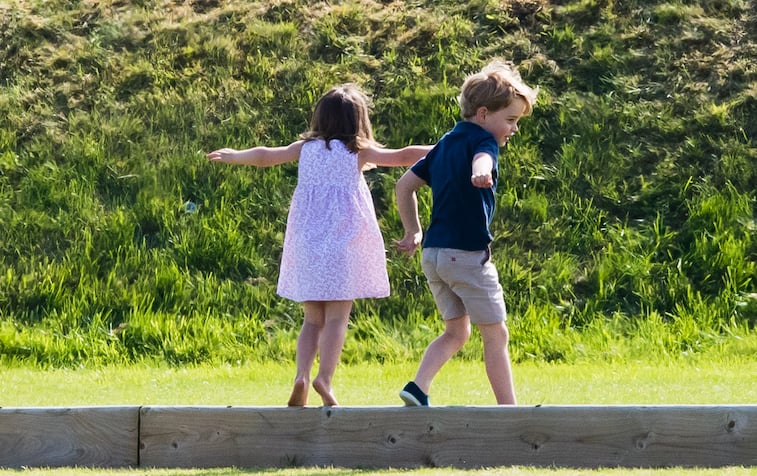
494,88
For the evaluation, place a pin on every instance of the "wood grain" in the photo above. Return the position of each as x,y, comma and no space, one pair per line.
380,437
81,436
462,437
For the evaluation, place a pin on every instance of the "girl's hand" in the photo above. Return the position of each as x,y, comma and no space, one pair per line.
260,156
221,155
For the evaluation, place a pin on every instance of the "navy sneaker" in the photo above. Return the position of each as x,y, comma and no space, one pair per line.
413,396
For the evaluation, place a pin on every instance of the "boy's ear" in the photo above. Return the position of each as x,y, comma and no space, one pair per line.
481,113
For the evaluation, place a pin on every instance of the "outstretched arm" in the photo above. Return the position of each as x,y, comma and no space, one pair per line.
482,170
393,157
258,156
407,205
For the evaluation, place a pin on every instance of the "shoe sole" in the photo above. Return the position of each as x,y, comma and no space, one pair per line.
409,399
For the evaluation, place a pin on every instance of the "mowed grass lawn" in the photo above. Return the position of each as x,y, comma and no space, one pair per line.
700,381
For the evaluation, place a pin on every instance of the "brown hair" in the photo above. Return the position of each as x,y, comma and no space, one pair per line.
342,114
494,88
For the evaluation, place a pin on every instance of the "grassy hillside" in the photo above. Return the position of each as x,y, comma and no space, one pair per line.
625,224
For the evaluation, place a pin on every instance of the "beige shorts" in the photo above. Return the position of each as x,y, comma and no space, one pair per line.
464,283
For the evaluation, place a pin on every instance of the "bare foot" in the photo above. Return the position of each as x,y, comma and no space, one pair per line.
299,396
329,400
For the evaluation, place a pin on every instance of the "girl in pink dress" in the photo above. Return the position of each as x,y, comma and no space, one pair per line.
333,249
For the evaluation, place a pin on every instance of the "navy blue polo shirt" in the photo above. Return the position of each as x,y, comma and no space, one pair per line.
460,213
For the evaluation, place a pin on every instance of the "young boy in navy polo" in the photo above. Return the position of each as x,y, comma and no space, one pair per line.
462,173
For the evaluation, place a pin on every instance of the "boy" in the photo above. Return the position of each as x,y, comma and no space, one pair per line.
462,173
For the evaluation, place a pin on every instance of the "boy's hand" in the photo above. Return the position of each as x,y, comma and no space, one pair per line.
482,180
481,170
409,243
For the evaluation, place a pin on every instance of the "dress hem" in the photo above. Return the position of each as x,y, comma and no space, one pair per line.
338,298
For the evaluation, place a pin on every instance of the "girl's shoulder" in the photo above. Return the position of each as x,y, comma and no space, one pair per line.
332,146
295,148
313,142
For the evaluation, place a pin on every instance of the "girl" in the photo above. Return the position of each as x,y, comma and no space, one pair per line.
333,248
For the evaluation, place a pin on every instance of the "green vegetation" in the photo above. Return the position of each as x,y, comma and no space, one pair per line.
626,219
695,382
699,381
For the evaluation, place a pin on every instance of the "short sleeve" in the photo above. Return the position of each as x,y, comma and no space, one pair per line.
421,169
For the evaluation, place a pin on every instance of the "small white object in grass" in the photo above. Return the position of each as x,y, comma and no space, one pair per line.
190,207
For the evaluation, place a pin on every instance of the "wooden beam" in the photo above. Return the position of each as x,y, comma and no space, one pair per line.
380,437
460,437
82,436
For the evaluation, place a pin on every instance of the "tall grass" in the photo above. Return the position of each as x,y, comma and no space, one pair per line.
625,224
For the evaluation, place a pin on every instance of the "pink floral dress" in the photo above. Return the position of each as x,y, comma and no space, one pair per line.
333,248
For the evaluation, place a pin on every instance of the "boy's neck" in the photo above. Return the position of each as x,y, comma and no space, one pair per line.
473,120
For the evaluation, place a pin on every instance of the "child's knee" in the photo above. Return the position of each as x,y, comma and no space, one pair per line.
496,332
459,330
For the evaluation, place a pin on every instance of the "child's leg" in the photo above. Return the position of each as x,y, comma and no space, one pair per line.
307,347
497,361
337,315
455,335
